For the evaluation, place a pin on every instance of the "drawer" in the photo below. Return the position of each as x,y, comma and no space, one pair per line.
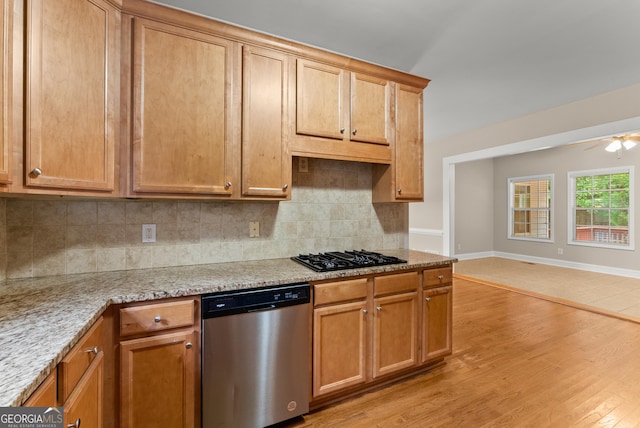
397,283
342,291
437,277
156,317
76,362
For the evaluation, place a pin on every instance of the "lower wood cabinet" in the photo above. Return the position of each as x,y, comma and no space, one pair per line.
159,365
84,406
78,382
370,329
395,344
364,329
437,313
339,346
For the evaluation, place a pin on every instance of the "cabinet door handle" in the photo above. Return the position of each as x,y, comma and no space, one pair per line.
36,172
364,311
379,308
427,299
342,130
354,132
188,345
93,350
399,191
227,185
440,277
157,318
74,425
285,187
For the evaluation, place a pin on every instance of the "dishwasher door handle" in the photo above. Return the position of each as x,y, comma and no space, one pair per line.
263,308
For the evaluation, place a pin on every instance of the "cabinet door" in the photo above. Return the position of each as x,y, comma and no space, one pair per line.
266,163
395,333
157,383
436,322
83,408
6,31
339,343
370,109
321,100
409,178
71,90
184,135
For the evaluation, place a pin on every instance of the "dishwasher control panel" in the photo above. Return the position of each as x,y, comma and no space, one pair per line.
240,301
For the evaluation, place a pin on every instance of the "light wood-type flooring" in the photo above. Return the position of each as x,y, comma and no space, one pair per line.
609,294
518,361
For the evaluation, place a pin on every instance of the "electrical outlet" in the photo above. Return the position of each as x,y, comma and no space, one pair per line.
148,233
254,229
303,164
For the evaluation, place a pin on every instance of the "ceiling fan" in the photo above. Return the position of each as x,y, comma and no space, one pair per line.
614,143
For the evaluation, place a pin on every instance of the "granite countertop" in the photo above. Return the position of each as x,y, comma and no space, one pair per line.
41,319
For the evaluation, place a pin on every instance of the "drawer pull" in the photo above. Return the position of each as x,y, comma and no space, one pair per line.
379,308
427,299
188,345
74,425
364,311
93,350
157,318
440,277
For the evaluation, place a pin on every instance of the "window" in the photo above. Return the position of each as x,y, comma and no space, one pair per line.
602,205
530,208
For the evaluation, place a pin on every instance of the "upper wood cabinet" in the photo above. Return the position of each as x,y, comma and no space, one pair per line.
336,107
403,179
322,99
184,134
409,144
370,109
71,90
266,162
6,31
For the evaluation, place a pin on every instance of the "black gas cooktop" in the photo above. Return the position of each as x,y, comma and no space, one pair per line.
335,260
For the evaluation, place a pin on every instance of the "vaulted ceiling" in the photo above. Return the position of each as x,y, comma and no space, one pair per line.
488,60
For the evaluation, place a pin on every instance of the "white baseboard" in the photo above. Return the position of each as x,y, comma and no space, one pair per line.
629,273
427,232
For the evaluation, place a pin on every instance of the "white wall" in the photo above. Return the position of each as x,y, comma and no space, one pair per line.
560,161
474,207
602,109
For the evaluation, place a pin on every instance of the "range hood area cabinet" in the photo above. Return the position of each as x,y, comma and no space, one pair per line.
209,116
341,114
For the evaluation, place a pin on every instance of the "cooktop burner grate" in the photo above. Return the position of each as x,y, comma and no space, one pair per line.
335,260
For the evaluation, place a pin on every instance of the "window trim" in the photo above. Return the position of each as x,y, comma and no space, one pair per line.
571,212
510,195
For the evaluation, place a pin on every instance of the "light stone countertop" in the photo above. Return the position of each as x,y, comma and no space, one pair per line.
41,319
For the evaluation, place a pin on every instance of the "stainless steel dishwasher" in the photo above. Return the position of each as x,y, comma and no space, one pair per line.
255,356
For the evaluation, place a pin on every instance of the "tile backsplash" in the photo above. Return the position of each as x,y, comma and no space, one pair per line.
330,209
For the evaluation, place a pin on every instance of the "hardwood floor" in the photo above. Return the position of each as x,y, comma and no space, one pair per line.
599,292
517,361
